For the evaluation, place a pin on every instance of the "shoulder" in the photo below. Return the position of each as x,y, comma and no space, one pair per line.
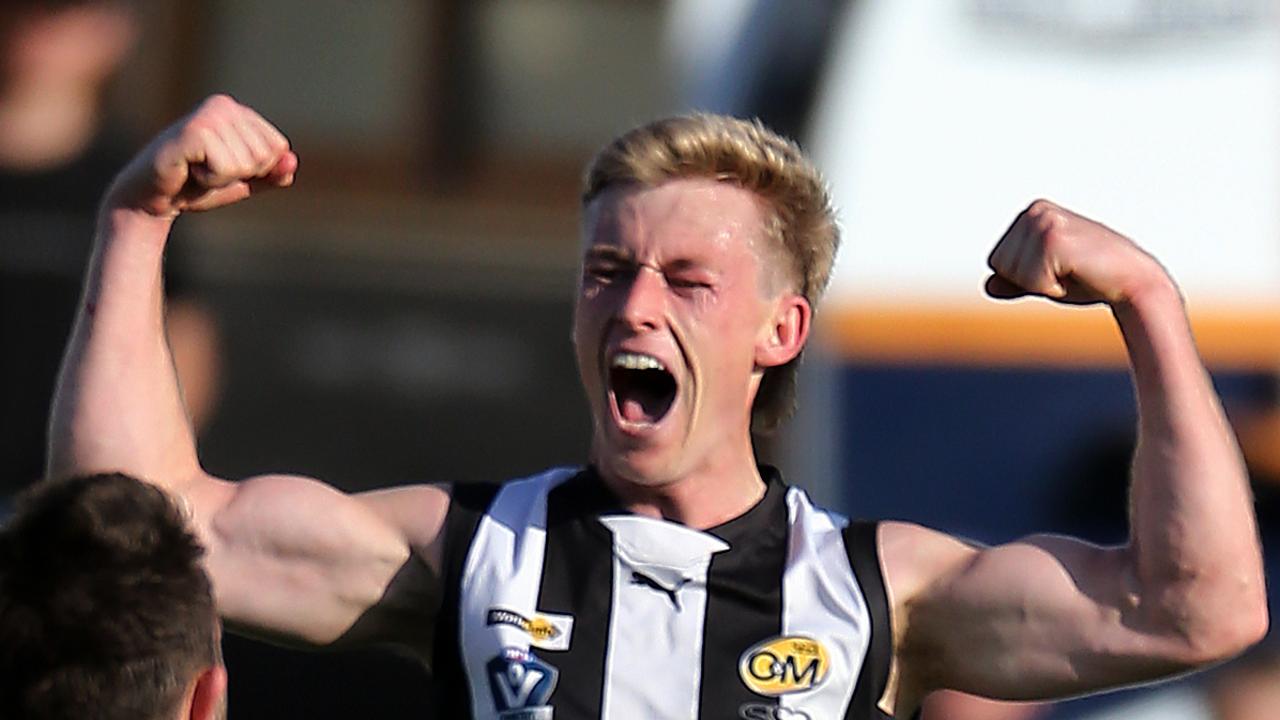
438,518
424,511
910,557
914,557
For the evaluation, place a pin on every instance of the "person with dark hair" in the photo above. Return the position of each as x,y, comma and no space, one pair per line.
105,608
671,576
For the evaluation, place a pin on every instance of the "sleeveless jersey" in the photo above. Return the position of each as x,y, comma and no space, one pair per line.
560,605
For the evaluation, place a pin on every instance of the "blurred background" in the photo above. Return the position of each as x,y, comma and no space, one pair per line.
402,314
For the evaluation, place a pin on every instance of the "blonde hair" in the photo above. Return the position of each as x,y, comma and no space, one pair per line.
800,221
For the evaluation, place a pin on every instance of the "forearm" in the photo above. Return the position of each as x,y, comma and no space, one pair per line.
118,405
1194,546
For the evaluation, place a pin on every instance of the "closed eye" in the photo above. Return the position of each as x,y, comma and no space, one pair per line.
606,273
688,276
687,284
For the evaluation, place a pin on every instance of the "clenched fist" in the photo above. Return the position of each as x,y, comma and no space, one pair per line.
1052,252
219,154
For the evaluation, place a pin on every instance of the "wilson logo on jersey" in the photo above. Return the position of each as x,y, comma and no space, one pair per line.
784,664
521,685
545,631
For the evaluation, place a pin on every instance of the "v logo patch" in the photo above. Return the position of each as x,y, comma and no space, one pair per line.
520,680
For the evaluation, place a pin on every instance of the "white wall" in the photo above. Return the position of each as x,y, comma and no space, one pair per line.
940,119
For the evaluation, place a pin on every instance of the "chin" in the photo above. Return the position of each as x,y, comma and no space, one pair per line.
644,467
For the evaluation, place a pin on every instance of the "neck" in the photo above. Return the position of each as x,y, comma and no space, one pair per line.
45,126
718,491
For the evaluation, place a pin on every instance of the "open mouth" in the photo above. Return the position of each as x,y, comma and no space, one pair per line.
641,387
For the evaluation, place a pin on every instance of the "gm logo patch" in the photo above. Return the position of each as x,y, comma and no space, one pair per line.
784,664
521,685
545,631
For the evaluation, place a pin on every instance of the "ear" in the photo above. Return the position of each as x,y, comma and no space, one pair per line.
787,332
210,692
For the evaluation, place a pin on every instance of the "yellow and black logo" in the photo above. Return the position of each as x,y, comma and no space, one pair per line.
539,628
784,664
545,630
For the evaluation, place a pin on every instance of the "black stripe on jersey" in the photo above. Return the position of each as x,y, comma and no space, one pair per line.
864,557
577,580
744,600
467,504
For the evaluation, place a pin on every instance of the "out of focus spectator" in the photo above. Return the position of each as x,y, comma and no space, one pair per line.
105,609
951,705
58,152
1248,688
1260,440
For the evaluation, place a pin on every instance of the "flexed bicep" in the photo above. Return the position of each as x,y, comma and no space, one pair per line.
299,561
1040,618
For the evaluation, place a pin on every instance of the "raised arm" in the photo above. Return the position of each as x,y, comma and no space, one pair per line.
1051,616
289,556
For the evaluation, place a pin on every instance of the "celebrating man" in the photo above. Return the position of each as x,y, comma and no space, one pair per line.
671,576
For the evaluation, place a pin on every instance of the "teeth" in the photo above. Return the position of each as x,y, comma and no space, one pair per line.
636,361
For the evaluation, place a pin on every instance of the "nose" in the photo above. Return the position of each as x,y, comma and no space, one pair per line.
644,300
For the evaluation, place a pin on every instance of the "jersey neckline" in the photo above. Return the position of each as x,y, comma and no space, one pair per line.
591,496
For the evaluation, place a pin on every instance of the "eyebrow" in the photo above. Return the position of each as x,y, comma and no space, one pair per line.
608,252
683,264
611,253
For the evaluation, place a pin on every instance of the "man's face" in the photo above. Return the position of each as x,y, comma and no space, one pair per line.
672,306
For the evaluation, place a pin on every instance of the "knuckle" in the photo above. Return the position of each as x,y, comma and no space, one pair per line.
192,127
202,129
1054,238
1049,221
260,156
193,136
203,133
241,167
161,164
1055,220
1041,206
220,101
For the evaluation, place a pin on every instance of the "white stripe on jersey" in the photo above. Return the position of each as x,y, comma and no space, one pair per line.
821,599
503,571
659,606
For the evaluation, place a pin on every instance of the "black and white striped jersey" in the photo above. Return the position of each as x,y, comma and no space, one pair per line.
560,605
